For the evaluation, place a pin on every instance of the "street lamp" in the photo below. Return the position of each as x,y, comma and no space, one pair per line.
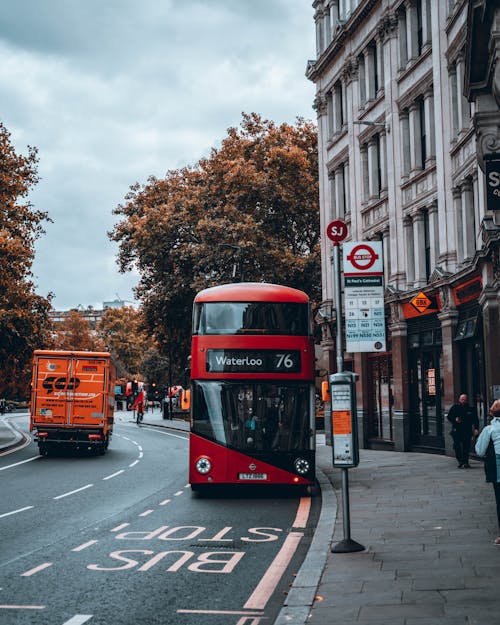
236,248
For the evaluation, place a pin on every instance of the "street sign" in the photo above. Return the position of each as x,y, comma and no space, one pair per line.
363,257
364,296
492,163
336,231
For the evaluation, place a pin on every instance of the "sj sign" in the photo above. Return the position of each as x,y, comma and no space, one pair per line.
364,296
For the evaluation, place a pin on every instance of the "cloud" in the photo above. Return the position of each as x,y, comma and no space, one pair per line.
113,92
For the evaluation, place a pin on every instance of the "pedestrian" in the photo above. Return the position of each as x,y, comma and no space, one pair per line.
464,423
488,446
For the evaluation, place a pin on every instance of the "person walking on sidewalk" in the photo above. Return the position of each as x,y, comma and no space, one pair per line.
464,423
491,435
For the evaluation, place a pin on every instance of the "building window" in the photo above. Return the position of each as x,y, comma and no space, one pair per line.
362,80
422,138
427,247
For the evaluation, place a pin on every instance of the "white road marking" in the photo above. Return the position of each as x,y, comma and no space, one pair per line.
141,455
231,612
9,466
85,545
164,502
120,527
22,607
265,588
16,511
37,569
179,492
133,464
302,512
78,619
153,429
72,492
146,513
113,475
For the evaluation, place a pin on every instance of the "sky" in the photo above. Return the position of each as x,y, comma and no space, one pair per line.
111,92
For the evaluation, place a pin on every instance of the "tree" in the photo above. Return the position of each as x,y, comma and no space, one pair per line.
75,333
253,204
123,334
24,316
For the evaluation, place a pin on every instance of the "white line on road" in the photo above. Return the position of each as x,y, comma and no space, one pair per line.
72,492
146,513
120,527
141,455
164,502
9,466
22,607
267,585
153,429
85,545
113,474
179,492
37,569
133,464
78,619
230,612
16,511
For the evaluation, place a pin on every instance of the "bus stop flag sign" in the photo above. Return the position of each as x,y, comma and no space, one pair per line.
364,296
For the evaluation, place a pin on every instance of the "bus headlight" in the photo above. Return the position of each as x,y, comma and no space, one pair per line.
203,465
302,466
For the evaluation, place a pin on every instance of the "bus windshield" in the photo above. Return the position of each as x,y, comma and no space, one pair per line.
253,416
289,318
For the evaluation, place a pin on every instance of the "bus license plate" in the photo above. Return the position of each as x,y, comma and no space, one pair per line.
252,476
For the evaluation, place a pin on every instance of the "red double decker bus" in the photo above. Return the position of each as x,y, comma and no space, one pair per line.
252,374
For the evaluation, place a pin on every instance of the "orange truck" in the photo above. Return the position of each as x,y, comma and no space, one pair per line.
72,400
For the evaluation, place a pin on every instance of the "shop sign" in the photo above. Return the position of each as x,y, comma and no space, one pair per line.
468,291
492,164
421,305
421,302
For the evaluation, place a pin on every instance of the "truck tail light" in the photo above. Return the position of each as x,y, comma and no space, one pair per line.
95,437
42,434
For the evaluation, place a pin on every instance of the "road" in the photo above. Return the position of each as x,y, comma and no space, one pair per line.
120,539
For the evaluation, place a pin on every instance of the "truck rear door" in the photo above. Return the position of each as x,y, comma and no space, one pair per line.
88,393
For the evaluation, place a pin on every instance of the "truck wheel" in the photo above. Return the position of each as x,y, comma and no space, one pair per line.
42,449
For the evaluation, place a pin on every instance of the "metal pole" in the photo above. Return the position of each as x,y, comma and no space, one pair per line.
345,505
338,306
347,545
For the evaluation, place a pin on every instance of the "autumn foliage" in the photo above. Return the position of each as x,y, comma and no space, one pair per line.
249,211
24,315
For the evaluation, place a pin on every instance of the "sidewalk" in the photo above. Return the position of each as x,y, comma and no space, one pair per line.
427,527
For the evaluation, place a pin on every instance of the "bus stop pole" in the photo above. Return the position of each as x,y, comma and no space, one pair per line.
338,306
347,545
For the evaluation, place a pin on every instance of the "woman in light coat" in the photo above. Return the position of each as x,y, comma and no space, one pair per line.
491,433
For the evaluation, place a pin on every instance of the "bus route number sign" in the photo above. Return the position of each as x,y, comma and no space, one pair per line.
336,231
253,361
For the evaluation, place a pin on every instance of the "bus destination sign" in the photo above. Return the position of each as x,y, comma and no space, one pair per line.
253,361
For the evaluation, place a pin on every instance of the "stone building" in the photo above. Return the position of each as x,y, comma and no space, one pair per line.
407,99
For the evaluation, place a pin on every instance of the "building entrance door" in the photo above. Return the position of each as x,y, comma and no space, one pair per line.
426,411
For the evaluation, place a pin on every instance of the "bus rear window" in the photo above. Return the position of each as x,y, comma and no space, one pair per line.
288,318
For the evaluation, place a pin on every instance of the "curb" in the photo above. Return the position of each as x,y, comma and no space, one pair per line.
301,595
19,437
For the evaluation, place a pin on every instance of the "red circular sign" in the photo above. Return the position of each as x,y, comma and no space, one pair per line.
362,257
336,230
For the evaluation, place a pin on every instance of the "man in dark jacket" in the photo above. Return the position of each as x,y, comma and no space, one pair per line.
464,423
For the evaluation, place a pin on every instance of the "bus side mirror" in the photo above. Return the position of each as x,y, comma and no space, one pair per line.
325,391
186,400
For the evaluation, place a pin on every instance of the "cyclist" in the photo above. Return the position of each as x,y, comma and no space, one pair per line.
139,405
